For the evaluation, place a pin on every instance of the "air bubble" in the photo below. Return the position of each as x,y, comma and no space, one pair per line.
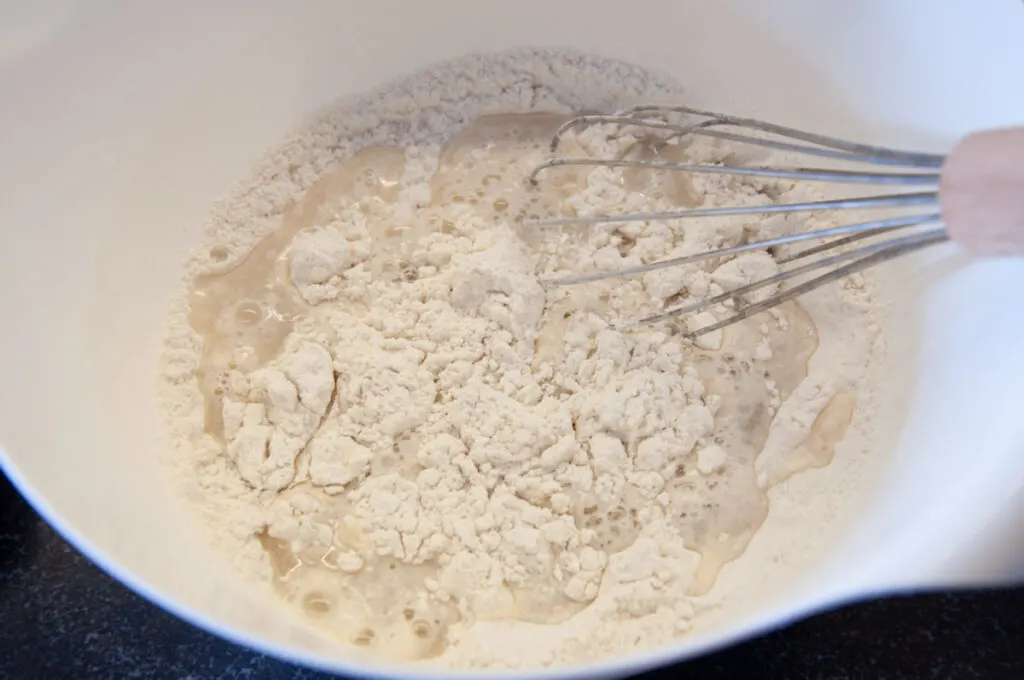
421,629
315,603
364,638
248,313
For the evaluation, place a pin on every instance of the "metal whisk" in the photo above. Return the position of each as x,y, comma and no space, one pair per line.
907,233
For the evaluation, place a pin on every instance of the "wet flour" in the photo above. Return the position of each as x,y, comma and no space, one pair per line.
380,408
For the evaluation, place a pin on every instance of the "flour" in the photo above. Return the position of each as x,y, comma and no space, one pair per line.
285,403
368,382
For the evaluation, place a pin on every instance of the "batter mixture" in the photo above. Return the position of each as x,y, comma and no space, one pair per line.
380,408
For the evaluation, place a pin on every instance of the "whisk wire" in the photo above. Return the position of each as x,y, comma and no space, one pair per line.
863,258
809,174
898,156
919,170
928,198
858,231
703,129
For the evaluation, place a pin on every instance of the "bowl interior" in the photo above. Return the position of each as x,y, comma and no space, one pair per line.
121,126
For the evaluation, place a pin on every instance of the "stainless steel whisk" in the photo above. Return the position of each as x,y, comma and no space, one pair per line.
921,173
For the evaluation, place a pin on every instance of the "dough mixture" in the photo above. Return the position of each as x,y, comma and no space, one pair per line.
381,410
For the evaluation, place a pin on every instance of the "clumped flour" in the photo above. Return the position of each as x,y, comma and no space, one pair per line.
380,409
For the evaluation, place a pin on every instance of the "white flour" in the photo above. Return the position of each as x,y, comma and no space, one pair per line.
382,409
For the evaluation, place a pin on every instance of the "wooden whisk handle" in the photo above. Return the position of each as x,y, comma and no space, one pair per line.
982,192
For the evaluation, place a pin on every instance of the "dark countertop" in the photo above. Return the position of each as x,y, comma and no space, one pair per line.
61,617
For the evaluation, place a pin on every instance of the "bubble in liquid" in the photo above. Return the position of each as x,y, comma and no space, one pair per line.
315,603
421,629
248,313
501,205
364,637
614,530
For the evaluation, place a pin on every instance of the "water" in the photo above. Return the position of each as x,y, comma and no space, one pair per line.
244,316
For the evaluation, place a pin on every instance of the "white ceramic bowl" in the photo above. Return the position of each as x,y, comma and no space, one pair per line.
122,121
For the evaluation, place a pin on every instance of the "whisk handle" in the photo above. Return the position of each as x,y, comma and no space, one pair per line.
982,192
